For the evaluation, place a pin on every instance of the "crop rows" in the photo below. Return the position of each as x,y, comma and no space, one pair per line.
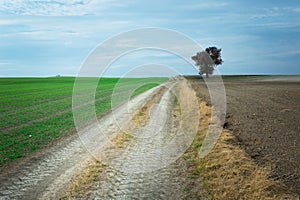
36,111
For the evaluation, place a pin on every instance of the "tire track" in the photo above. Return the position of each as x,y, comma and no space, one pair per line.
141,170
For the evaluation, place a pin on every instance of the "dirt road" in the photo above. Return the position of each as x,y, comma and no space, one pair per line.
134,171
264,115
45,174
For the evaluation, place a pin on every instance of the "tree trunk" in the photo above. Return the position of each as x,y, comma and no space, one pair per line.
207,75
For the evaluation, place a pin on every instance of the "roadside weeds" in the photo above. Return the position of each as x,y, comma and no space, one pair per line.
80,186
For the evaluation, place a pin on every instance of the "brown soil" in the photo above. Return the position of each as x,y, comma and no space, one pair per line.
264,117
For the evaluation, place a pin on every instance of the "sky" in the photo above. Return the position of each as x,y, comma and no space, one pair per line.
46,38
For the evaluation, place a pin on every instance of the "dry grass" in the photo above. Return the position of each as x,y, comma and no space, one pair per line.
141,118
138,120
231,174
228,172
80,186
121,139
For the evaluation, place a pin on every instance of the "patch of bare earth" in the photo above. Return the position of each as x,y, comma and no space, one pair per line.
231,171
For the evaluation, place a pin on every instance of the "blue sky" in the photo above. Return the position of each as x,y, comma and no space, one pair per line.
45,38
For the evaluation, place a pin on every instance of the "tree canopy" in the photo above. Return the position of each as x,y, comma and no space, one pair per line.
207,60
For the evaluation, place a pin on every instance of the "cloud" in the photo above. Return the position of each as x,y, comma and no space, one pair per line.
55,8
296,9
64,29
229,38
207,5
269,12
284,53
278,25
275,12
5,63
42,34
7,22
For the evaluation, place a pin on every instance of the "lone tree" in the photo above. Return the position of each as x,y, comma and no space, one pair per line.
207,60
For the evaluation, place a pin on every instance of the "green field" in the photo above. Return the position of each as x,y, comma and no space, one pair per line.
37,111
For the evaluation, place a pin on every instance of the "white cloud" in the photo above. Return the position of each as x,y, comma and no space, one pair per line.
6,22
5,63
55,8
207,5
269,12
296,9
284,53
275,12
64,30
278,24
226,39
